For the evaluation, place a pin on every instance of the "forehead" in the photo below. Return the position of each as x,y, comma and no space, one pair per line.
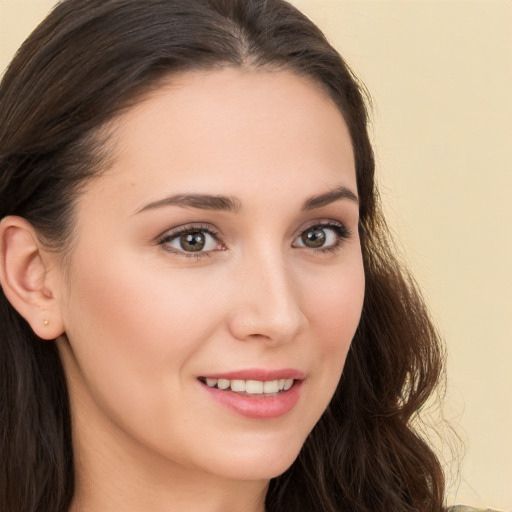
215,129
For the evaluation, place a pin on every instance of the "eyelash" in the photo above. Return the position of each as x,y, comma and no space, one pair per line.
341,232
183,230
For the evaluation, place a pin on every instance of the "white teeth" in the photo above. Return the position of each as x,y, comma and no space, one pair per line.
223,383
254,387
211,382
251,387
238,385
271,386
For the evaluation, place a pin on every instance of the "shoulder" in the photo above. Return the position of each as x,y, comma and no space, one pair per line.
463,508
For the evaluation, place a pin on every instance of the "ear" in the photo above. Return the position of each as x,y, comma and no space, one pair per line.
28,277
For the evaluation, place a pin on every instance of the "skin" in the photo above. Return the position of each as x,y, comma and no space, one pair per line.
143,321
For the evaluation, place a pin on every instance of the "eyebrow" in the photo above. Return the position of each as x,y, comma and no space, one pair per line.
232,204
329,197
200,201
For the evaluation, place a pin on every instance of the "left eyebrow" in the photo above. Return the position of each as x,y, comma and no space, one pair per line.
200,201
329,197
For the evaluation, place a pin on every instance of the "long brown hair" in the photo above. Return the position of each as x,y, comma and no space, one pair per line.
84,64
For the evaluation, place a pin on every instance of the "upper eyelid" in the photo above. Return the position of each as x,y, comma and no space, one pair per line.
185,228
338,227
326,223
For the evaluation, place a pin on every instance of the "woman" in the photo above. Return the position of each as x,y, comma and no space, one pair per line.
201,307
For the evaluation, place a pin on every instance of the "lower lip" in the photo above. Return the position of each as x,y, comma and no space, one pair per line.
257,407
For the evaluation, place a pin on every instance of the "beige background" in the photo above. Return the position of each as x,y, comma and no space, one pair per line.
440,73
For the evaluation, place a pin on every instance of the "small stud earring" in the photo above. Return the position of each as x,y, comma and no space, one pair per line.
46,322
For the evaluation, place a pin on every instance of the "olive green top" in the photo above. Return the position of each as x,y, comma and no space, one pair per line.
463,508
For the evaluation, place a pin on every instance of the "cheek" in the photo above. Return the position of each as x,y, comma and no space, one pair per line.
335,303
130,305
132,332
334,311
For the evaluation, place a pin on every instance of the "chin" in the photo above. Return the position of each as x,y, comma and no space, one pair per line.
258,464
250,472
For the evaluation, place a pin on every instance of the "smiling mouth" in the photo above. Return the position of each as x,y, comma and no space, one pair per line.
250,387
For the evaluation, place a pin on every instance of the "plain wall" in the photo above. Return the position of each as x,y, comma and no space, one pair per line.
440,74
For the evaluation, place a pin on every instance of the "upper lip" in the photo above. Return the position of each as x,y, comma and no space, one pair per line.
261,374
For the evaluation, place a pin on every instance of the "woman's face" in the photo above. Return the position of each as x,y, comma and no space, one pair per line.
219,252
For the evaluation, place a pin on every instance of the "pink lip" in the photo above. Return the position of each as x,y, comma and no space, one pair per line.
258,406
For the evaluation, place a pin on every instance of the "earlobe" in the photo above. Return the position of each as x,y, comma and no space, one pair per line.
26,279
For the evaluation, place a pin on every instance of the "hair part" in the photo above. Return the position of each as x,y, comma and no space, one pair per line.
83,66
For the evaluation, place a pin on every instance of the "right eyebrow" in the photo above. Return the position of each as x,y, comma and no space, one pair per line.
200,201
335,194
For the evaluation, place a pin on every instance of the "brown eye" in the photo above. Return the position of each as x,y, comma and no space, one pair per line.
314,238
193,242
322,237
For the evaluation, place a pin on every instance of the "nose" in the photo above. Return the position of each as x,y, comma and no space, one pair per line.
267,303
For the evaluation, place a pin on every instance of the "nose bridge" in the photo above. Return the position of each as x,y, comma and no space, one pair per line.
268,300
